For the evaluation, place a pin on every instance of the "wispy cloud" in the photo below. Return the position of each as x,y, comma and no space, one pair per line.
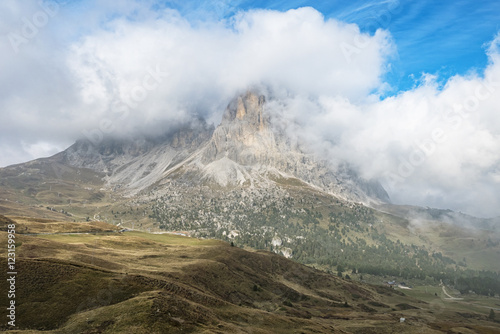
361,10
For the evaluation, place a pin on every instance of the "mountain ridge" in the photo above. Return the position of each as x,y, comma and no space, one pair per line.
244,149
245,181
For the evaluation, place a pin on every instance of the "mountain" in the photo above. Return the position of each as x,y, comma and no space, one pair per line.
248,182
244,150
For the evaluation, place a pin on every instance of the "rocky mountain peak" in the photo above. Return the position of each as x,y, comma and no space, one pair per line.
244,135
245,149
248,109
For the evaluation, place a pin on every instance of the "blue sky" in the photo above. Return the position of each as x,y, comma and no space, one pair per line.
437,37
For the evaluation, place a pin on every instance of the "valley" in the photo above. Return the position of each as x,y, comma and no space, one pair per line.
109,281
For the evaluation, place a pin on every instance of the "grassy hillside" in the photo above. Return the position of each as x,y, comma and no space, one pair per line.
133,282
316,228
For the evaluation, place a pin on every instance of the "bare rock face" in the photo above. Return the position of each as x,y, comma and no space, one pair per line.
244,150
243,135
134,164
247,108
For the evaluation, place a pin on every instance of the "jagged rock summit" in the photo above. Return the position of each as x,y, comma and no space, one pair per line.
243,137
244,150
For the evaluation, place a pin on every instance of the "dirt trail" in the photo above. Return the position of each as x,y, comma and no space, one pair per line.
450,297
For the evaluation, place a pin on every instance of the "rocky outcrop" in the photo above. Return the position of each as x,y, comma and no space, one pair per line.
245,148
243,135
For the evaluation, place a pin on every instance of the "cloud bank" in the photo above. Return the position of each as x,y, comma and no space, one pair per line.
431,146
106,70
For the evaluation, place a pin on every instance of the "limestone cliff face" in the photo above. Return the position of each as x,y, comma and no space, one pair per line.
247,108
243,135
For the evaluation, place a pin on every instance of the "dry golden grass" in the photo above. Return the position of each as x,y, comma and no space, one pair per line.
149,283
29,225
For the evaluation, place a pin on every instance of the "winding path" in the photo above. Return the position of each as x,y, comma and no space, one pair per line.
450,297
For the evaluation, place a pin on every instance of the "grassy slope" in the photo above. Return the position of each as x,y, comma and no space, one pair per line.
150,283
479,247
27,190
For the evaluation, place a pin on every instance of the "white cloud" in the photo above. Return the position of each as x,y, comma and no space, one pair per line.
429,146
206,65
84,73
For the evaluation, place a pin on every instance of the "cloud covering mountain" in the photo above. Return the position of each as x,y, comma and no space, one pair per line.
77,70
